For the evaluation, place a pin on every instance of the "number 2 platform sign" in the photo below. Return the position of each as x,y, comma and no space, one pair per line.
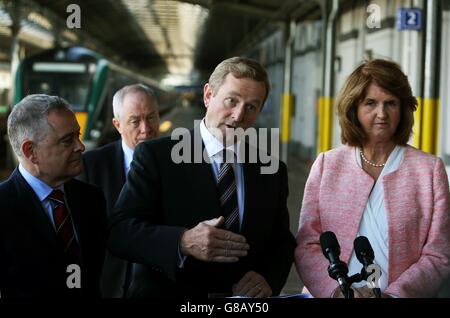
409,19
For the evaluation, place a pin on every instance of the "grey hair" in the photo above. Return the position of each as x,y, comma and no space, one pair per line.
28,119
121,93
240,67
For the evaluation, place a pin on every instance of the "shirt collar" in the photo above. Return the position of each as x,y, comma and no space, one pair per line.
213,146
39,187
392,163
128,155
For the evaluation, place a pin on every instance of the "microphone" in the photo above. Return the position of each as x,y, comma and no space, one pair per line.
337,269
365,255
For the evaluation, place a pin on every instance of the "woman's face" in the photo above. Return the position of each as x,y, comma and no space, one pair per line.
379,114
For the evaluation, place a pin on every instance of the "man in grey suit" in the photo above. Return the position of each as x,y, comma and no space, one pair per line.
51,225
136,119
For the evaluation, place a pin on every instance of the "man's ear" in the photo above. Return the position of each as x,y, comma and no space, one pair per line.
28,150
207,93
116,124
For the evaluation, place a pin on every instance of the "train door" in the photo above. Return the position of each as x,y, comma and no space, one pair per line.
358,40
270,54
444,126
401,46
306,80
348,57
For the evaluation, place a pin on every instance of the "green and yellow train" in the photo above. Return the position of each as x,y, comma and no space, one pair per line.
88,82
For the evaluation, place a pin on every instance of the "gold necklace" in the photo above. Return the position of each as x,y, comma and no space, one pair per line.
373,164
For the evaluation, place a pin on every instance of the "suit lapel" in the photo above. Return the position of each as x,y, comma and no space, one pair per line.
116,180
205,186
29,203
251,174
120,177
73,200
203,181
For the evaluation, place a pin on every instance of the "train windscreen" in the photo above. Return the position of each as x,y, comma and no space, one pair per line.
68,80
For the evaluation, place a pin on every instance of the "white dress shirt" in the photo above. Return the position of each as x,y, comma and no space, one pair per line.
127,157
214,149
42,191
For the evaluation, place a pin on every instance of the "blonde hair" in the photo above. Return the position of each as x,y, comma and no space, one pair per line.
240,67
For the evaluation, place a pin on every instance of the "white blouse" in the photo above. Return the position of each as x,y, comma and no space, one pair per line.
374,223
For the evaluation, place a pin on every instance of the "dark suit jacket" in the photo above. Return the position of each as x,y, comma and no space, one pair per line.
31,265
161,199
104,167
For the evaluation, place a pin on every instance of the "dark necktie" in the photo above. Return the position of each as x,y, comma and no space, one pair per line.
64,228
226,183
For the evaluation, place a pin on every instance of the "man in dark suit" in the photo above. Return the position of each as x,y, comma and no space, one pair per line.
211,226
52,227
136,119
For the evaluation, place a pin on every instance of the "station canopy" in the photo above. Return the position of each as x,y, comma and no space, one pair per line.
178,41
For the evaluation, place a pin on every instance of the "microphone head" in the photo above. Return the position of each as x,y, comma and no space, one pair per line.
329,242
363,249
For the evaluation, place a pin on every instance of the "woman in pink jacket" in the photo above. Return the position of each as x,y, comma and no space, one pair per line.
379,187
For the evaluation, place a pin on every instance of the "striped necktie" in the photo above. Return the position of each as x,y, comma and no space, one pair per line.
64,228
226,184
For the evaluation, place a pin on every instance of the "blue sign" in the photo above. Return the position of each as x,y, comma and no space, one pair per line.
409,19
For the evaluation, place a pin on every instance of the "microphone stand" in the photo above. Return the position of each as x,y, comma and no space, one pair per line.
338,271
356,278
346,289
376,291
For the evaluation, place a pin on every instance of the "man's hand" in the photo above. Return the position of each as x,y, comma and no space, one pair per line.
252,285
207,242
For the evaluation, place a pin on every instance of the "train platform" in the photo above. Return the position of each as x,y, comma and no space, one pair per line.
298,171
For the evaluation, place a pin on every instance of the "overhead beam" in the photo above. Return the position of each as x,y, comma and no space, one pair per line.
203,3
136,27
308,9
260,30
251,39
243,9
59,24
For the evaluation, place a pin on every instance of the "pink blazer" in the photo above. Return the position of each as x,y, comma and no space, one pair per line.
418,206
